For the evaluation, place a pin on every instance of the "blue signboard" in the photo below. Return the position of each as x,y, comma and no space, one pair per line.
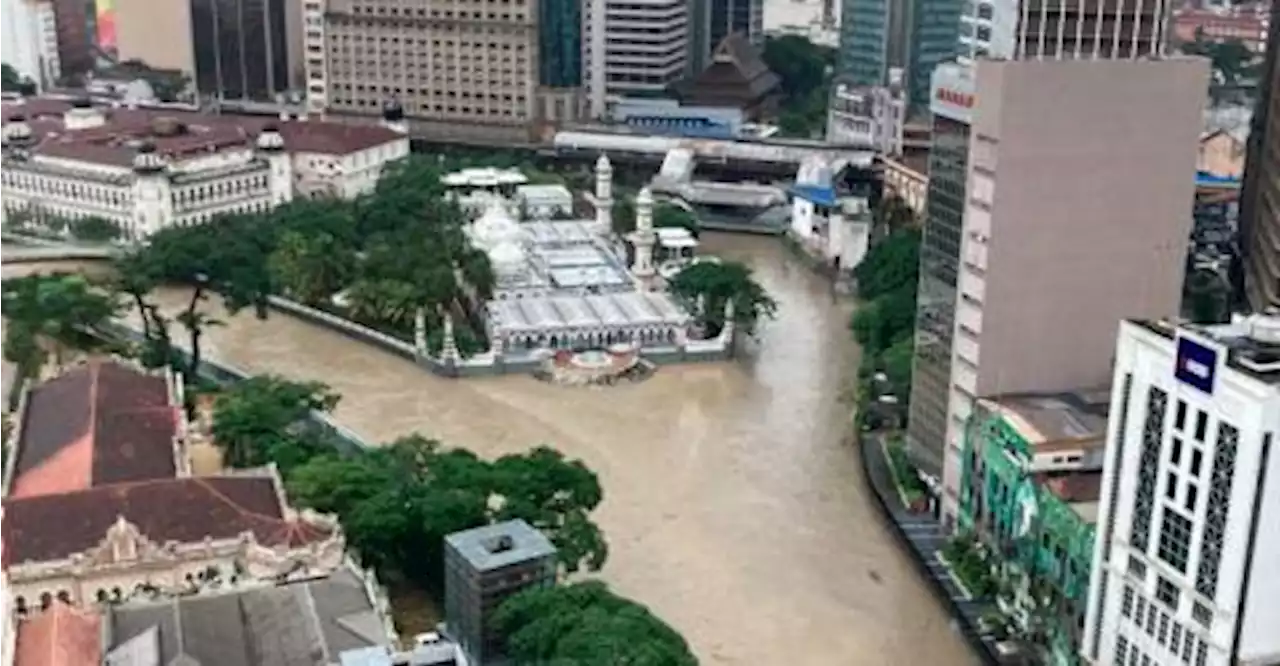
1196,365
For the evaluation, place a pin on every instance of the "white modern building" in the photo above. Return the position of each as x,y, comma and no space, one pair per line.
30,40
1040,29
147,169
867,116
831,226
633,46
1184,567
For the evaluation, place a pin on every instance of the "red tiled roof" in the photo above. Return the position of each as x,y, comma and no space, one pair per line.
184,510
114,142
59,636
95,425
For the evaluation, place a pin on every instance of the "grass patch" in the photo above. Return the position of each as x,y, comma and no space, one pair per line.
910,489
413,609
969,566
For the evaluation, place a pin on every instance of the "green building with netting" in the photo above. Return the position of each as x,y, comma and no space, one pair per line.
1031,476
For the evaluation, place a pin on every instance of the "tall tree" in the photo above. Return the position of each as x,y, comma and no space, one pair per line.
255,418
61,310
227,255
715,284
312,268
586,623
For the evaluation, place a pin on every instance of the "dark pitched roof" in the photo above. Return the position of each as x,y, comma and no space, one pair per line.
300,624
184,510
735,62
98,424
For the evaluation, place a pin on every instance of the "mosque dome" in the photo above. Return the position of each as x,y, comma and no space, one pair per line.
495,227
508,259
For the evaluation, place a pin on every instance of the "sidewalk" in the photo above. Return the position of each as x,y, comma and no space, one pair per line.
923,538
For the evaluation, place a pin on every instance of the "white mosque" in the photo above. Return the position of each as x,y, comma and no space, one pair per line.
564,285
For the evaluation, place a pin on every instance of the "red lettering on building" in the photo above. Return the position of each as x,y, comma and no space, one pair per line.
964,100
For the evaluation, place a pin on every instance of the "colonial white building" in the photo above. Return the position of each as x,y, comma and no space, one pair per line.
1184,569
147,169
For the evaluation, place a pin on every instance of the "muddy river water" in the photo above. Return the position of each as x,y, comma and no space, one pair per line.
734,504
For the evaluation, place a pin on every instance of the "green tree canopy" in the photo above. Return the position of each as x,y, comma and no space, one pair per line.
666,214
60,310
9,78
880,323
95,229
889,264
261,419
715,284
586,623
398,502
805,69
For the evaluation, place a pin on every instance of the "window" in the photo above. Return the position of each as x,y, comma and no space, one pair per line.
1175,456
1202,614
1142,609
1163,634
1180,416
1149,461
1151,620
1202,425
1189,502
1202,653
1126,602
1170,485
1175,539
1188,642
1137,568
1167,593
1122,647
1196,459
1220,480
1175,638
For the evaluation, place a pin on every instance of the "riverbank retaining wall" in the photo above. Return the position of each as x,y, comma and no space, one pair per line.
875,471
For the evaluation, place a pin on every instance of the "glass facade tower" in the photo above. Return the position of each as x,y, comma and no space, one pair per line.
241,48
935,312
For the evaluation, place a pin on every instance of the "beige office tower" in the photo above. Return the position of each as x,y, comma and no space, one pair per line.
1077,178
466,69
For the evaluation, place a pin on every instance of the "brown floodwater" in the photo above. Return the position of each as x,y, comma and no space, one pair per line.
734,504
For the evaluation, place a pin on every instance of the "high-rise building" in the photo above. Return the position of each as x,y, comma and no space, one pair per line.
139,21
240,48
72,19
1260,198
30,40
468,69
873,40
482,568
634,47
1184,563
710,21
932,38
1057,206
1026,29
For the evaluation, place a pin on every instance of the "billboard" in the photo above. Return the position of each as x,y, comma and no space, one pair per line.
105,15
1196,364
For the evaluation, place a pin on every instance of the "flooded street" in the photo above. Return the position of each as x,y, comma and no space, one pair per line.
734,506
